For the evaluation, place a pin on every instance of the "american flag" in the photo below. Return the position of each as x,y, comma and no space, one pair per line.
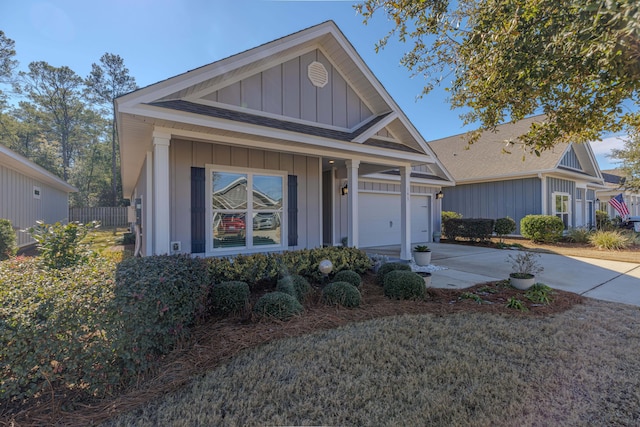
619,205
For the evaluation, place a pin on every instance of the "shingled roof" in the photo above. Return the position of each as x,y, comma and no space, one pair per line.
487,159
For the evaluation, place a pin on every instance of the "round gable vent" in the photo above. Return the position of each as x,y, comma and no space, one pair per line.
318,75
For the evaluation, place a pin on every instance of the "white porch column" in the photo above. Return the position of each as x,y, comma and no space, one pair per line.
147,207
161,203
405,213
352,203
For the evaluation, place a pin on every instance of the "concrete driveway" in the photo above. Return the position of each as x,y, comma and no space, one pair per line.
469,265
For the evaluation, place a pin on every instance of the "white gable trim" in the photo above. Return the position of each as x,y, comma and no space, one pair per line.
376,128
21,164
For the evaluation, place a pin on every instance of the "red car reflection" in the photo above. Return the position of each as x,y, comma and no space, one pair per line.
232,224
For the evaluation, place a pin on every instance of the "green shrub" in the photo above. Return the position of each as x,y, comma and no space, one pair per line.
264,269
348,276
161,297
62,245
294,285
539,293
341,293
504,226
542,228
447,215
277,305
388,267
474,229
609,240
516,304
7,240
229,297
399,284
578,235
58,330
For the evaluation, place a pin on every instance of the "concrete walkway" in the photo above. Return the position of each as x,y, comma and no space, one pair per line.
469,265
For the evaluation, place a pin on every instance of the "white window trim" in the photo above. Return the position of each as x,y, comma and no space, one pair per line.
211,251
569,212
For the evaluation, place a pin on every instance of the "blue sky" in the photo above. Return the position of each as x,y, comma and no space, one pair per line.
159,39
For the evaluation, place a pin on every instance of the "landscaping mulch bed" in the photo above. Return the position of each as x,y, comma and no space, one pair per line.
220,339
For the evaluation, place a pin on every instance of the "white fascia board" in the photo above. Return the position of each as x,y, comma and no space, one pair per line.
375,128
232,126
565,174
26,167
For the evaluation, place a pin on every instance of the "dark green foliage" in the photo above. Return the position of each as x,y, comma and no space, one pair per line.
294,285
160,297
399,284
261,269
7,240
504,226
62,245
348,276
542,228
278,305
230,297
474,229
341,293
59,328
388,267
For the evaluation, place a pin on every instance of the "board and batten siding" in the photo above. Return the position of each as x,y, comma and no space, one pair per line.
286,90
186,154
19,204
557,185
499,199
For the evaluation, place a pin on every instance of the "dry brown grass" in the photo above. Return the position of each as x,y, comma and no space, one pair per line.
578,367
442,361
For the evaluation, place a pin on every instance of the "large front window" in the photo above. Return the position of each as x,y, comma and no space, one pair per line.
562,208
246,209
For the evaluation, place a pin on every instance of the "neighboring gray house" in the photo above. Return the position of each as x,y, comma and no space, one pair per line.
29,193
614,183
293,144
493,184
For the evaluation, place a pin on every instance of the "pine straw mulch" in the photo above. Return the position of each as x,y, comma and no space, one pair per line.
220,339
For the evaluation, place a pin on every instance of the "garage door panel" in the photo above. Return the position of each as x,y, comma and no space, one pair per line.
379,219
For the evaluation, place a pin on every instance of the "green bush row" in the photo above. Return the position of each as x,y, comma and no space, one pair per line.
474,229
264,269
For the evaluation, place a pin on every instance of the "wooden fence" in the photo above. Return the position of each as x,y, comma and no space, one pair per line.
108,216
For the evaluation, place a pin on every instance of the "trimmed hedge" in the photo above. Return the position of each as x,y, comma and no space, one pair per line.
348,276
399,284
341,293
542,228
504,226
474,229
230,297
388,267
264,269
278,305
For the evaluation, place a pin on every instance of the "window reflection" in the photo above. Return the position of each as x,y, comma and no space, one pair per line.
229,230
229,190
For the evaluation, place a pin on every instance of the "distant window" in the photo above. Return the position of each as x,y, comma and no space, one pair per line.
36,192
562,208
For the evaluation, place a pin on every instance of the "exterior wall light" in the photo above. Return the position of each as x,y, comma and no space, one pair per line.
439,195
345,190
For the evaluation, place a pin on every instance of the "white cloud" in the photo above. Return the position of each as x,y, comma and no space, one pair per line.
605,146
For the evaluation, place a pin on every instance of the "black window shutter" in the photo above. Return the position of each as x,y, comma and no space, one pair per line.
198,211
293,210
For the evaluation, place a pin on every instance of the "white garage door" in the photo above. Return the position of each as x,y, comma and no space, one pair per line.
379,216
